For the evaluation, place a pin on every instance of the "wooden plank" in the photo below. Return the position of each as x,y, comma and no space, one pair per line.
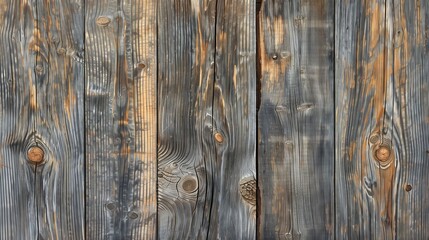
367,149
200,156
17,117
120,67
186,35
233,170
42,89
296,130
410,100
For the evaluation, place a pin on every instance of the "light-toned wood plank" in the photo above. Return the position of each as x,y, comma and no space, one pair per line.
120,72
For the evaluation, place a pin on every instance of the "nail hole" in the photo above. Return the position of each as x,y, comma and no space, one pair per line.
275,57
408,187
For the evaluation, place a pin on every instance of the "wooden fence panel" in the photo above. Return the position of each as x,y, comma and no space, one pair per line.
120,73
295,126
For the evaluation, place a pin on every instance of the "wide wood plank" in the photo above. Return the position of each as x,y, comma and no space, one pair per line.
186,35
367,150
120,69
296,120
42,107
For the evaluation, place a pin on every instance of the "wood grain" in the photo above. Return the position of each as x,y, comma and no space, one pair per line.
206,135
120,72
382,119
234,117
296,120
41,103
186,50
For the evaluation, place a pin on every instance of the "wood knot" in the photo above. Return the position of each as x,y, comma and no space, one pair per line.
111,206
103,21
39,68
61,51
382,153
248,190
218,137
141,65
189,184
35,155
133,215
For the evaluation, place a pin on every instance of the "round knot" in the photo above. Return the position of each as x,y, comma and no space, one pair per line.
35,154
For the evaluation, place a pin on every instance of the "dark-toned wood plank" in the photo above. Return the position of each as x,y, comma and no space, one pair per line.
120,69
186,35
42,86
233,166
296,141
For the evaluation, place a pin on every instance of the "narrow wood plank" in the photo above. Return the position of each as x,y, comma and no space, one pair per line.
296,120
120,69
410,101
17,117
233,168
42,86
186,50
367,160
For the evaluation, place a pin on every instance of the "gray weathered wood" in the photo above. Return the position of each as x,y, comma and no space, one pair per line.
296,141
207,127
186,50
120,72
41,75
382,101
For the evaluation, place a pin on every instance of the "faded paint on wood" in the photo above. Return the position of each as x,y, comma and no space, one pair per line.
381,118
296,130
41,102
206,126
120,73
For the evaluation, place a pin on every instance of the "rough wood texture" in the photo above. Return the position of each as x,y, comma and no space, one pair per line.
207,126
296,141
120,72
382,119
41,102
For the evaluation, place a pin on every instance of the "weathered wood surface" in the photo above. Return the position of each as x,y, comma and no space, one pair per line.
120,74
41,104
296,120
382,119
206,126
136,119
